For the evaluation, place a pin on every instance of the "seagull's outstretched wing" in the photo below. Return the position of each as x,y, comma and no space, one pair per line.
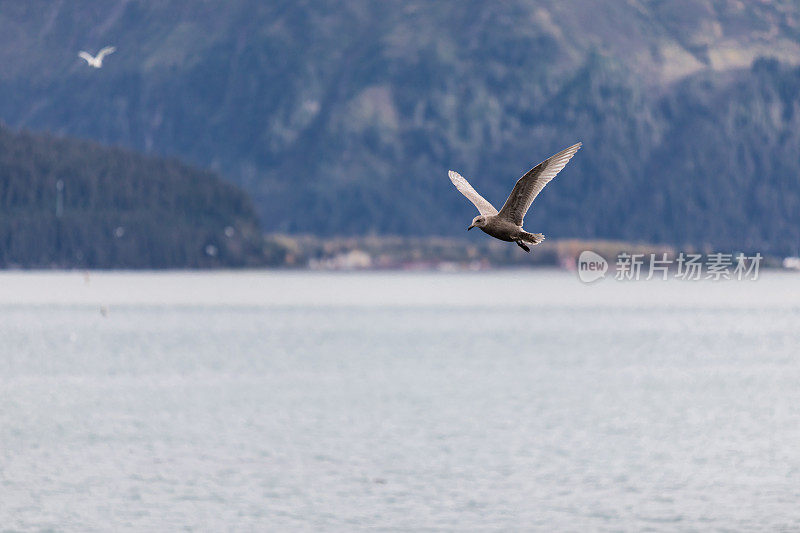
531,184
472,195
105,51
86,55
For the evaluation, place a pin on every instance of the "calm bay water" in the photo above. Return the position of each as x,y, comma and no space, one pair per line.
483,401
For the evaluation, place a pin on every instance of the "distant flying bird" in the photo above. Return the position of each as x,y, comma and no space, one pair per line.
506,224
97,61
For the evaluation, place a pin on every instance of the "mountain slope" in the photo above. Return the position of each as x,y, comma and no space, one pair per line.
344,117
71,203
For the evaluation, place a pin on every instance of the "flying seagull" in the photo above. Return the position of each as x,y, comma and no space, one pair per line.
506,224
97,61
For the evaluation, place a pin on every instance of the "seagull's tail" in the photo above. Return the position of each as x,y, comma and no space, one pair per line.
533,238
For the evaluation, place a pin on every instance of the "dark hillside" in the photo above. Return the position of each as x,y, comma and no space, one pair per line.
117,209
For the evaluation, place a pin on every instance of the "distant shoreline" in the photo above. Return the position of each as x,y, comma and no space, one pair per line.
394,253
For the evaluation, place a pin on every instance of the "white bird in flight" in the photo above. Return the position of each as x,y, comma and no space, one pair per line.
97,61
506,224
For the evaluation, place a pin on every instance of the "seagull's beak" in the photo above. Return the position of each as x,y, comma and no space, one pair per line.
470,227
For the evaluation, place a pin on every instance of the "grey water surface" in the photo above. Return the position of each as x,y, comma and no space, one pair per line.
252,401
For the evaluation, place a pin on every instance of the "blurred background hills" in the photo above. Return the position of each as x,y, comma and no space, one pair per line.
67,202
342,118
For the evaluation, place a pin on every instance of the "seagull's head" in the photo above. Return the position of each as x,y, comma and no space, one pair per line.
477,222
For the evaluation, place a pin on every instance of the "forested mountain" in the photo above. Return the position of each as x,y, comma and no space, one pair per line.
343,117
73,203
